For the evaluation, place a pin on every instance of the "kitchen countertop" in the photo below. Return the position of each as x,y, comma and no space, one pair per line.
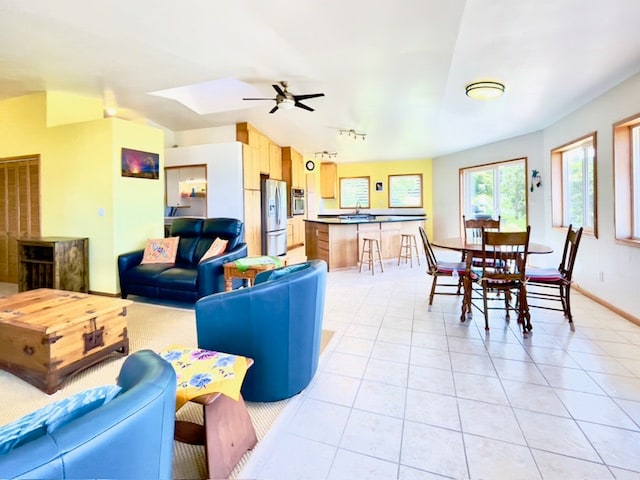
340,220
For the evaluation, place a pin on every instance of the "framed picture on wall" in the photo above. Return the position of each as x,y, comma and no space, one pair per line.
379,187
139,164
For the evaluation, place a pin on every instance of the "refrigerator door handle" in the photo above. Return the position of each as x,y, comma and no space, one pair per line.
277,206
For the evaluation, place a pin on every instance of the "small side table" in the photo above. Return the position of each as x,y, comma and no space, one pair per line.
249,272
227,432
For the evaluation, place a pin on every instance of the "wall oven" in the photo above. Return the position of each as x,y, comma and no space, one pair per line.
297,201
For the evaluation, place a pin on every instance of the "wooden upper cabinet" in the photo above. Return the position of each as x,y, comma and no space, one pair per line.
247,134
328,179
275,162
264,150
298,171
292,168
267,157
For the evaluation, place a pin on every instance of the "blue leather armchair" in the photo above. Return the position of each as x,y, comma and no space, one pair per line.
129,437
277,322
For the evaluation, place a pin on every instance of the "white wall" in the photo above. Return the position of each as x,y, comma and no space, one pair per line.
202,136
225,195
446,172
618,263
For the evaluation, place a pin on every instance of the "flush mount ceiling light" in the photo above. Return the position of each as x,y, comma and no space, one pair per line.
484,90
352,134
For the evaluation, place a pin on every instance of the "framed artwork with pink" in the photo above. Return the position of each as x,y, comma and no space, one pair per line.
139,164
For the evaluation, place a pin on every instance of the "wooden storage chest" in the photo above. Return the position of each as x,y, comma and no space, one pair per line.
47,335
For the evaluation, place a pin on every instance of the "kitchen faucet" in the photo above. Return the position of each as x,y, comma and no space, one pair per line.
358,208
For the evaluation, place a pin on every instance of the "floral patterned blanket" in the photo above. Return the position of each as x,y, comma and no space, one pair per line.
201,371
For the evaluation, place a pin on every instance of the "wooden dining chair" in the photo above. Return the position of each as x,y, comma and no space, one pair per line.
473,228
472,233
439,269
554,284
503,265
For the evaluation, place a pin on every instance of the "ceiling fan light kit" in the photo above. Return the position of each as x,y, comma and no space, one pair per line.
286,104
484,90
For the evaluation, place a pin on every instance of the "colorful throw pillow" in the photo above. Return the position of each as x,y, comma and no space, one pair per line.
217,248
68,409
54,415
161,250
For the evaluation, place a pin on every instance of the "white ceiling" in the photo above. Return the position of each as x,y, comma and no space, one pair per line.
395,70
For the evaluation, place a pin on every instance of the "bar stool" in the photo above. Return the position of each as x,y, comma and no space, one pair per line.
408,245
371,248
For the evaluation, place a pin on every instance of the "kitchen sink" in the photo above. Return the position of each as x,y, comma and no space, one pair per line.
357,216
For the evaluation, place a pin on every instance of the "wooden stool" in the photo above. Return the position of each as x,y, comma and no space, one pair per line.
227,432
371,247
407,243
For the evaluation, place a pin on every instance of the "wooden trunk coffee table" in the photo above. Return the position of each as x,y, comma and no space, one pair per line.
47,335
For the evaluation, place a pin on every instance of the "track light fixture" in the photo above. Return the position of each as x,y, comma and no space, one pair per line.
352,134
326,155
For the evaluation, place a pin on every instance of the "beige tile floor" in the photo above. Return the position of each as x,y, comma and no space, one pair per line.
410,394
406,393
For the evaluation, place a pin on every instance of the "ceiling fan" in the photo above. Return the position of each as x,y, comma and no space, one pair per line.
286,100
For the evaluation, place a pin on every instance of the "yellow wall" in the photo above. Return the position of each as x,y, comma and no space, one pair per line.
138,203
80,176
379,172
84,109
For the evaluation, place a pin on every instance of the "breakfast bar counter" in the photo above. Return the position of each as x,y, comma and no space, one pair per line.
337,239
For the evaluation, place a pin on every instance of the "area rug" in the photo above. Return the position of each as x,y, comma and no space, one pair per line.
150,327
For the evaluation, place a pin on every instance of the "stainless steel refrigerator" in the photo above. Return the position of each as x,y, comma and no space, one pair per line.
274,217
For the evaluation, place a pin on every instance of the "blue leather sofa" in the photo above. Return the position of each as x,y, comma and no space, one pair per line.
277,322
187,279
129,437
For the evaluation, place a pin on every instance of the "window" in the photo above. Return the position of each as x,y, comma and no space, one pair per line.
354,192
626,164
405,191
496,190
573,184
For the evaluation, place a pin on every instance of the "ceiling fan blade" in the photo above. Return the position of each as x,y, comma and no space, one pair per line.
302,105
310,95
279,90
259,99
273,109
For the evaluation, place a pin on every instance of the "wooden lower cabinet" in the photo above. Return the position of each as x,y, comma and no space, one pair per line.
340,245
335,244
295,232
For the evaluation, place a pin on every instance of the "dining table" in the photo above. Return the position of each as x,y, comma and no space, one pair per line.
458,244
471,249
